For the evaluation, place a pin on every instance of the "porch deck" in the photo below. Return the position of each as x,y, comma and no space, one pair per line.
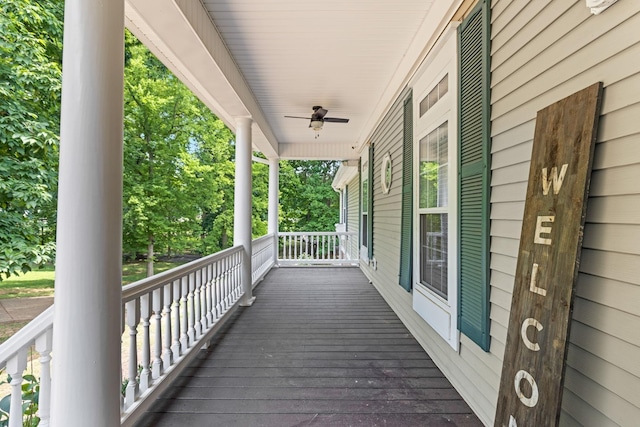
319,347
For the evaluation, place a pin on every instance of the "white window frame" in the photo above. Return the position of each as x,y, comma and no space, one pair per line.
364,174
439,312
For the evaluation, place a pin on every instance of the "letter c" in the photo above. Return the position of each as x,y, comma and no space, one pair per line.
534,346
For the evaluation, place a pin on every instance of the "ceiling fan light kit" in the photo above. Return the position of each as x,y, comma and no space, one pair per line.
317,119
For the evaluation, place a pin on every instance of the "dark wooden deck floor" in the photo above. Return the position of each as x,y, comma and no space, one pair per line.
319,347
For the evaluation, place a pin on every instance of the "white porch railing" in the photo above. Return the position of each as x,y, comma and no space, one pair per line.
317,248
14,356
165,317
263,257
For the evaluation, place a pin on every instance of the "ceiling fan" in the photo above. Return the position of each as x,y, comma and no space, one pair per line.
318,119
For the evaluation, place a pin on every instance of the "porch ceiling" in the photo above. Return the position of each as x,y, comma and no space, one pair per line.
270,58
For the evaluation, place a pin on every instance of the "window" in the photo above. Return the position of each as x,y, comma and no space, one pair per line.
366,224
434,96
435,290
434,209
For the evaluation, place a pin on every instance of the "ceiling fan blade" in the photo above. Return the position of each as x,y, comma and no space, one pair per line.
335,120
318,113
297,117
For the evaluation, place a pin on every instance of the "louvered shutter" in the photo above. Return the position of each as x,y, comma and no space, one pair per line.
406,225
473,48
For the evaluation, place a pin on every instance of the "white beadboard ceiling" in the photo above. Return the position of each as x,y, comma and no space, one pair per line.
271,58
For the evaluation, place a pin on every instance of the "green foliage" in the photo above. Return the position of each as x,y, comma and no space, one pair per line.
429,184
178,179
30,77
30,396
308,202
178,173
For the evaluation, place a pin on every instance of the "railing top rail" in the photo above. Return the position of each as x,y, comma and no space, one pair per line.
141,287
318,233
26,335
262,239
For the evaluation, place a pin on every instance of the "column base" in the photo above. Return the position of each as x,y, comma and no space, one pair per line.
248,303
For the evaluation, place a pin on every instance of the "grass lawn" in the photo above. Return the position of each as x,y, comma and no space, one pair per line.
138,270
39,282
36,283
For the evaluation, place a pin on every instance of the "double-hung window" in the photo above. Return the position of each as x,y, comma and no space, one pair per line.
365,202
435,296
434,209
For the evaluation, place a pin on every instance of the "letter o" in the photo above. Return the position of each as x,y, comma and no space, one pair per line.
527,401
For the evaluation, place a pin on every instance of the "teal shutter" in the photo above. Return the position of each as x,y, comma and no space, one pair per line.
406,224
473,48
370,207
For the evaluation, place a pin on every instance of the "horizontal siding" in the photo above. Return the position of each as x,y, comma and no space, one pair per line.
353,215
542,52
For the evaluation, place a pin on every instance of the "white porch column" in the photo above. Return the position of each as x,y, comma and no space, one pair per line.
274,185
242,203
86,337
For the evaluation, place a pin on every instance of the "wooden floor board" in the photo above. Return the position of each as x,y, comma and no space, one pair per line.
319,347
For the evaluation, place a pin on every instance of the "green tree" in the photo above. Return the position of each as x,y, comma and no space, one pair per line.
169,153
30,79
179,166
308,202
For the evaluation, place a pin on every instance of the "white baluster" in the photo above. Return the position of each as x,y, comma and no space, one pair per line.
15,367
240,259
145,314
235,273
184,337
197,298
202,275
43,347
175,348
225,284
209,296
167,354
191,331
285,251
132,319
156,367
218,290
326,247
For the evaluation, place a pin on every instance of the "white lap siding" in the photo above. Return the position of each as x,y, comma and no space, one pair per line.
543,51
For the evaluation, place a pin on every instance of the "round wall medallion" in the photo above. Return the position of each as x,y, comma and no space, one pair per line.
386,173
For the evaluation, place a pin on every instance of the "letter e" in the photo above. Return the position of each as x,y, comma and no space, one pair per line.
540,229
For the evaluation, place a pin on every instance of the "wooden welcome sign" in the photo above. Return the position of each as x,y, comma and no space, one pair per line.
534,361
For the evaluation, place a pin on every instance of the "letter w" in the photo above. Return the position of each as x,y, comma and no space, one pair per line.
557,180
